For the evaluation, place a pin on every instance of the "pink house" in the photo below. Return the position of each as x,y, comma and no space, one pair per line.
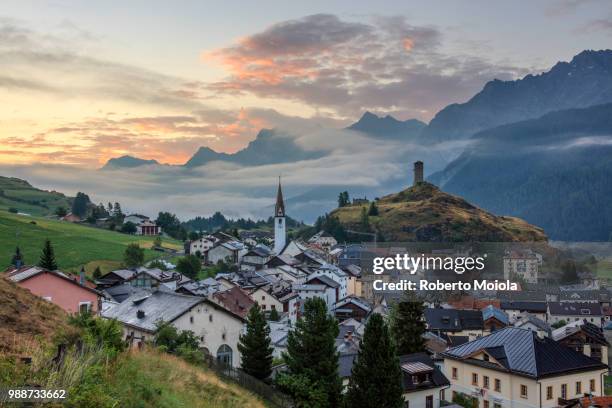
73,294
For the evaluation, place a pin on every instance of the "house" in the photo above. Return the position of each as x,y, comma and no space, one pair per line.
217,328
601,296
324,240
353,274
584,337
235,300
204,287
255,258
494,318
516,307
572,312
135,219
228,251
71,293
269,297
148,228
423,383
352,307
330,283
454,322
70,217
310,291
143,278
522,263
200,245
291,306
334,273
514,367
533,323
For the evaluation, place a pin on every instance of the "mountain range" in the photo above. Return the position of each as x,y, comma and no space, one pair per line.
536,148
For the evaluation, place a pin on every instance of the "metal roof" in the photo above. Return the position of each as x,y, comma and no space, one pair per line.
522,352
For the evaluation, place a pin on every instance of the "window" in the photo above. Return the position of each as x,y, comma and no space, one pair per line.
485,404
549,392
497,385
485,357
455,376
523,391
474,379
415,379
191,319
485,382
578,387
429,401
564,391
210,318
84,307
592,385
496,405
442,395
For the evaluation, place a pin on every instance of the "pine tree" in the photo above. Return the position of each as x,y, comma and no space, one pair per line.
97,273
365,221
17,260
312,358
47,258
373,210
254,345
376,379
408,325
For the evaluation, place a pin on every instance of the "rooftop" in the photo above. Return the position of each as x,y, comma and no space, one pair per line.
522,352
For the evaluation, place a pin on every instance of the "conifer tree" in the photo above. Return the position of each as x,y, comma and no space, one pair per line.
47,258
408,325
312,359
17,260
376,379
255,345
97,273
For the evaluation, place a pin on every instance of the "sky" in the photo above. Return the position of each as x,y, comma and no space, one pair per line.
82,82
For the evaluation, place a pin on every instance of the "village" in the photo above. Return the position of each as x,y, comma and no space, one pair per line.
541,346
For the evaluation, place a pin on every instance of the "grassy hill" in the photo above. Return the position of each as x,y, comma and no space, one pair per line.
26,321
147,378
75,245
425,213
19,194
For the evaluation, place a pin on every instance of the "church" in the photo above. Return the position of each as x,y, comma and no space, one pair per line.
280,223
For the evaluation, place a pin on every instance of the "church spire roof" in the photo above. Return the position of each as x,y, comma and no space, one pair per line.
279,209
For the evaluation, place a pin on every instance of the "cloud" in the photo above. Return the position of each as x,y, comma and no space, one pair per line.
597,25
360,164
384,65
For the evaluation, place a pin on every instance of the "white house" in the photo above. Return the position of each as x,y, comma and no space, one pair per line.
336,274
230,251
217,328
201,245
323,239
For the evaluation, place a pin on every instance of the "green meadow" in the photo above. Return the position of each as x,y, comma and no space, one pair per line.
75,245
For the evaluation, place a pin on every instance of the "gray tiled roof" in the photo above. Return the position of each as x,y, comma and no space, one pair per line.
524,353
157,306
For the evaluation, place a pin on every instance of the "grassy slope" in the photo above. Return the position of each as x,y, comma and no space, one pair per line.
152,379
440,216
26,321
138,379
16,193
74,244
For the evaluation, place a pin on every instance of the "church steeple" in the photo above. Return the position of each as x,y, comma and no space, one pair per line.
280,232
279,209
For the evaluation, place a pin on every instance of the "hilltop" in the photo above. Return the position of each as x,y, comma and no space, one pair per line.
20,195
425,213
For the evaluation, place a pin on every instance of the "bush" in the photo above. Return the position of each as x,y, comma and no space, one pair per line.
13,210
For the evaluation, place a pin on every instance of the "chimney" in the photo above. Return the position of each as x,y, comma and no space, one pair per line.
82,276
418,172
140,314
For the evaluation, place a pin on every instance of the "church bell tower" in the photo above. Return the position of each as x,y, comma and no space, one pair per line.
280,227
